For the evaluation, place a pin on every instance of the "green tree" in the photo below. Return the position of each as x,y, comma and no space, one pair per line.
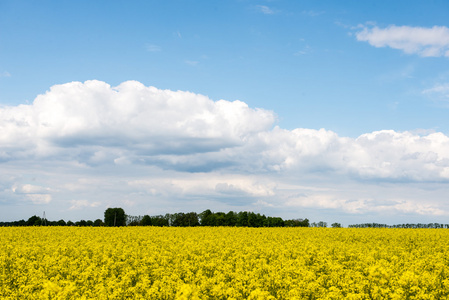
133,220
305,223
192,219
256,220
146,221
98,222
114,217
298,223
273,222
185,219
242,219
160,220
220,219
81,223
34,221
230,219
206,218
177,219
322,224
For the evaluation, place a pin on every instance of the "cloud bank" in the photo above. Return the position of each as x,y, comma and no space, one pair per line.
426,42
95,121
89,145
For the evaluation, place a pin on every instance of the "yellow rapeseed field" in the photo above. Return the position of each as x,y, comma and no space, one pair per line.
223,263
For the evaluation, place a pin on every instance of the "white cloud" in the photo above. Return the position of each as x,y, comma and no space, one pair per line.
212,184
5,74
312,13
153,48
364,205
383,154
97,123
306,50
264,9
39,198
29,189
192,62
30,193
80,204
161,150
423,41
93,124
439,91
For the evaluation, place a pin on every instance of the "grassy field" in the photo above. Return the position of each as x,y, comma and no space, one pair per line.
223,263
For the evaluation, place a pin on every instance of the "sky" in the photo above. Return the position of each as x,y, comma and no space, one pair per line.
334,111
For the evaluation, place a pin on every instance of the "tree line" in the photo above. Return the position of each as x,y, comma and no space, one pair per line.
117,217
209,218
38,221
415,226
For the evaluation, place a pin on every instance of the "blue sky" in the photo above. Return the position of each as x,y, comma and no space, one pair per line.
341,113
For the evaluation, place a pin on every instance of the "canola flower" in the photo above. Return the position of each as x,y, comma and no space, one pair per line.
223,263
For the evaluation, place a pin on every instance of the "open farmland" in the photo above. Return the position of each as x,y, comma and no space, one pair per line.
223,263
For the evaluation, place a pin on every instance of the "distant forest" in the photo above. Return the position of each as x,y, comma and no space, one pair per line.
117,217
415,226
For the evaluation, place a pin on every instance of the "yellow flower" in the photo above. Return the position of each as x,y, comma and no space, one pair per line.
223,263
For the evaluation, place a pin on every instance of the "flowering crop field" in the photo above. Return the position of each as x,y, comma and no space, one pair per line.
223,263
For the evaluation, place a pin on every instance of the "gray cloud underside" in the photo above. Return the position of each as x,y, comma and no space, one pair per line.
94,123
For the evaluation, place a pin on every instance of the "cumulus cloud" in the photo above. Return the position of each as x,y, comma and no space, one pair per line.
29,193
383,154
137,144
29,189
93,123
423,41
97,121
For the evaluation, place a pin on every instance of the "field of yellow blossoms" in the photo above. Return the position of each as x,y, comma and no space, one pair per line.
223,263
